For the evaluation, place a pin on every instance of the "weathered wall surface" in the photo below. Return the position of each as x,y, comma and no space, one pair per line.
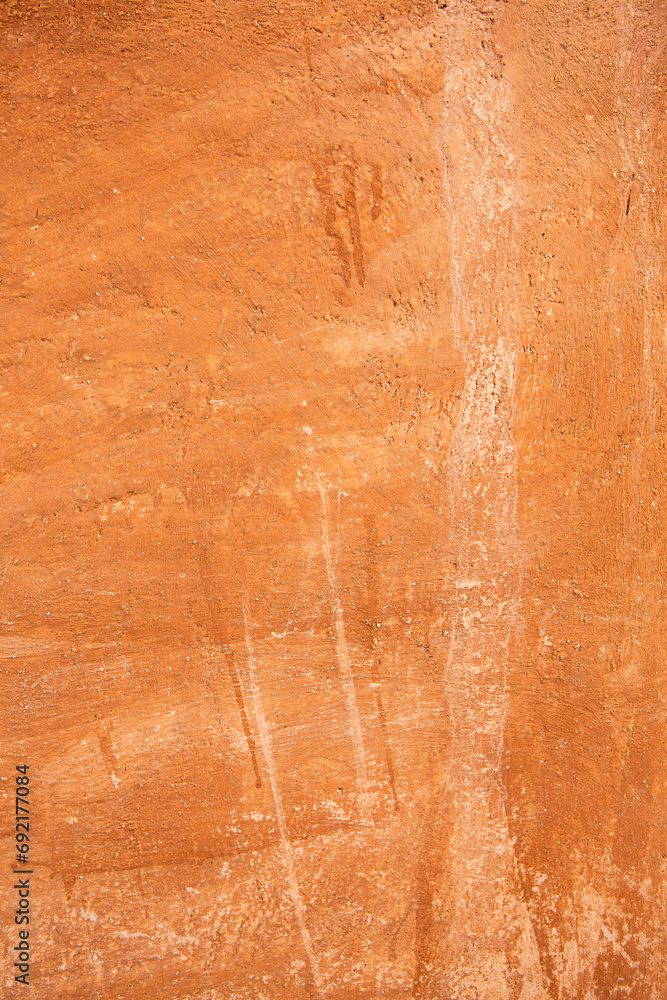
333,481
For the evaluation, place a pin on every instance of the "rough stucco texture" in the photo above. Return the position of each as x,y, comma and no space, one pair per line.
332,381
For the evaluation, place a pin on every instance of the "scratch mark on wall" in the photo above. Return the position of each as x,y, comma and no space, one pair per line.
238,692
345,666
375,684
373,562
288,854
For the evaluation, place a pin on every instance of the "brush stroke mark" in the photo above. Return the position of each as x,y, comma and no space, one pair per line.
376,192
345,666
352,214
238,691
345,202
325,190
265,741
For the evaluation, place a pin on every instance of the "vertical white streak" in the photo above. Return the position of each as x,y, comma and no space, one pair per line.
345,666
265,740
486,934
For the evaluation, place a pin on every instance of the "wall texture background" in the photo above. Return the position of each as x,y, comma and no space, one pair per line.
332,380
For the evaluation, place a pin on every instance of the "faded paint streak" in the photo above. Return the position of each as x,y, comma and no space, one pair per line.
474,934
107,751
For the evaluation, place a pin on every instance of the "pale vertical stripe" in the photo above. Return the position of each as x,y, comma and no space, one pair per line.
345,667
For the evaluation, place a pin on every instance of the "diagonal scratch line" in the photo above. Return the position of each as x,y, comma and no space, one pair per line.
265,741
304,333
346,669
238,692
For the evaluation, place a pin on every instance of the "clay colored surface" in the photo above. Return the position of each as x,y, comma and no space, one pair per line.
332,383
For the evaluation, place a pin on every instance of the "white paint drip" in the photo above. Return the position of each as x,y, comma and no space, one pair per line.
345,666
265,741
